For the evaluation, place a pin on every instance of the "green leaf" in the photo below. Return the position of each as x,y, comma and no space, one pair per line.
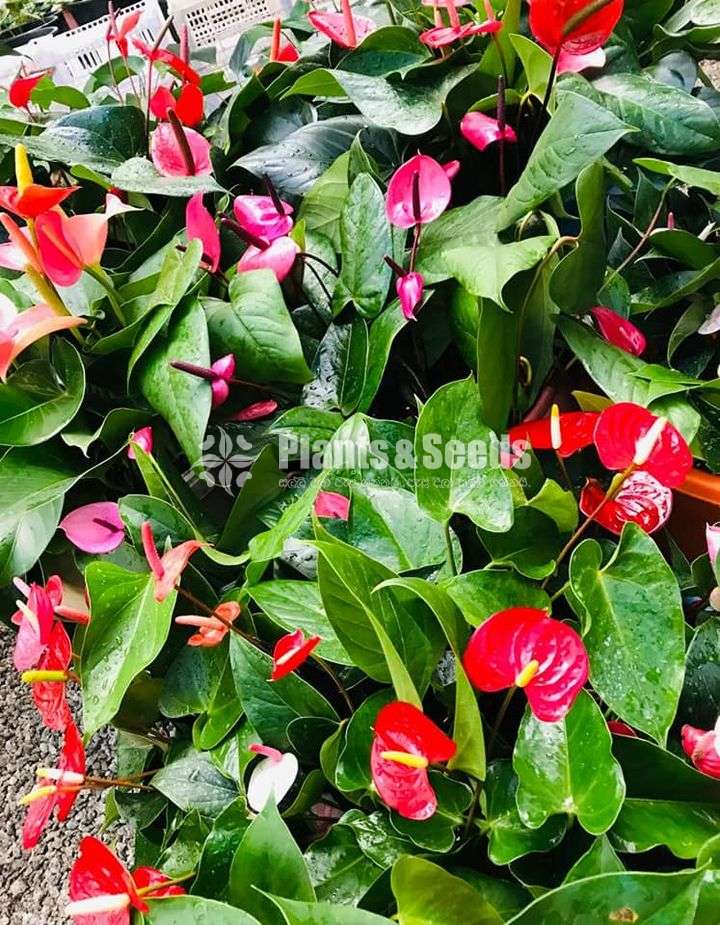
257,327
568,767
681,826
708,180
474,485
183,400
383,331
194,910
579,133
437,834
428,895
388,50
41,397
530,545
24,536
268,861
127,631
300,913
600,858
339,368
323,203
700,701
536,63
482,593
112,432
352,771
219,849
191,781
139,175
338,868
472,225
633,629
495,336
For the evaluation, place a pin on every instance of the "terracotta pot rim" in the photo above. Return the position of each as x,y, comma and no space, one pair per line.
701,485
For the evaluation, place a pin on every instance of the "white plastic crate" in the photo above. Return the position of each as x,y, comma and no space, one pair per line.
219,23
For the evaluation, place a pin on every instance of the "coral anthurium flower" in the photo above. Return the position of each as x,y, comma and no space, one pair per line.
95,528
168,568
169,158
619,331
176,64
406,742
703,748
618,728
409,288
574,64
119,30
481,130
188,106
566,433
331,504
18,330
290,652
142,438
418,192
629,435
279,256
346,29
68,244
273,776
19,253
256,411
262,216
34,199
20,90
552,24
524,647
49,680
212,630
641,500
200,226
56,789
34,620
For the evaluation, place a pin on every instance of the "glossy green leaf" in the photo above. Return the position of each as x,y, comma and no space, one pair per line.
482,593
708,180
700,701
600,858
323,204
438,833
191,781
682,826
24,537
339,368
301,913
428,895
139,175
530,545
338,868
219,849
495,360
194,910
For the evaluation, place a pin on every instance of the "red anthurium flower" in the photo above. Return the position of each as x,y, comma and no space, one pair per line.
405,743
481,130
290,652
212,631
550,19
566,433
346,29
151,880
418,192
20,90
285,53
629,435
273,776
641,500
168,157
619,331
188,106
256,411
618,728
57,788
18,330
703,748
50,678
168,568
331,504
19,253
34,620
55,593
279,256
200,226
33,199
119,31
574,64
143,438
526,648
176,64
261,216
95,528
409,288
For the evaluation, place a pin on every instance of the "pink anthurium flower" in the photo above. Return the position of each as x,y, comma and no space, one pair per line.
703,748
346,29
481,130
618,728
55,593
712,538
409,288
441,35
619,331
168,156
406,742
279,256
19,253
95,528
168,568
34,620
18,330
143,438
290,652
569,63
263,216
331,504
212,630
524,647
219,375
188,105
418,192
256,411
103,891
273,776
20,90
56,789
200,226
566,433
119,30
49,680
68,244
642,500
628,435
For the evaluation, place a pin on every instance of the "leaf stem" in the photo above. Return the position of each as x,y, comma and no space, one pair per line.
100,276
450,550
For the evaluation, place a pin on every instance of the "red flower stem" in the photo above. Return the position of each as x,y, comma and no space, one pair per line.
183,143
247,236
643,240
305,256
563,469
394,266
500,717
501,126
417,231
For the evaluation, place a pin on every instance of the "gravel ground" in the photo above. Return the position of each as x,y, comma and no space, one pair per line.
33,885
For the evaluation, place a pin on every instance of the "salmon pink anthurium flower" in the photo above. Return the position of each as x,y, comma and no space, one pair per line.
629,435
575,64
703,748
279,256
290,652
56,789
406,742
481,130
20,90
641,500
410,288
618,728
143,438
168,568
619,331
273,776
49,680
119,30
200,226
188,106
18,330
33,199
19,253
68,244
261,216
176,64
331,504
418,192
167,155
524,647
34,620
55,592
346,29
94,528
551,22
212,630
566,433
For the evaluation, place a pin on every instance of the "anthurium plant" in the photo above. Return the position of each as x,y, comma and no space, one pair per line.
346,394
